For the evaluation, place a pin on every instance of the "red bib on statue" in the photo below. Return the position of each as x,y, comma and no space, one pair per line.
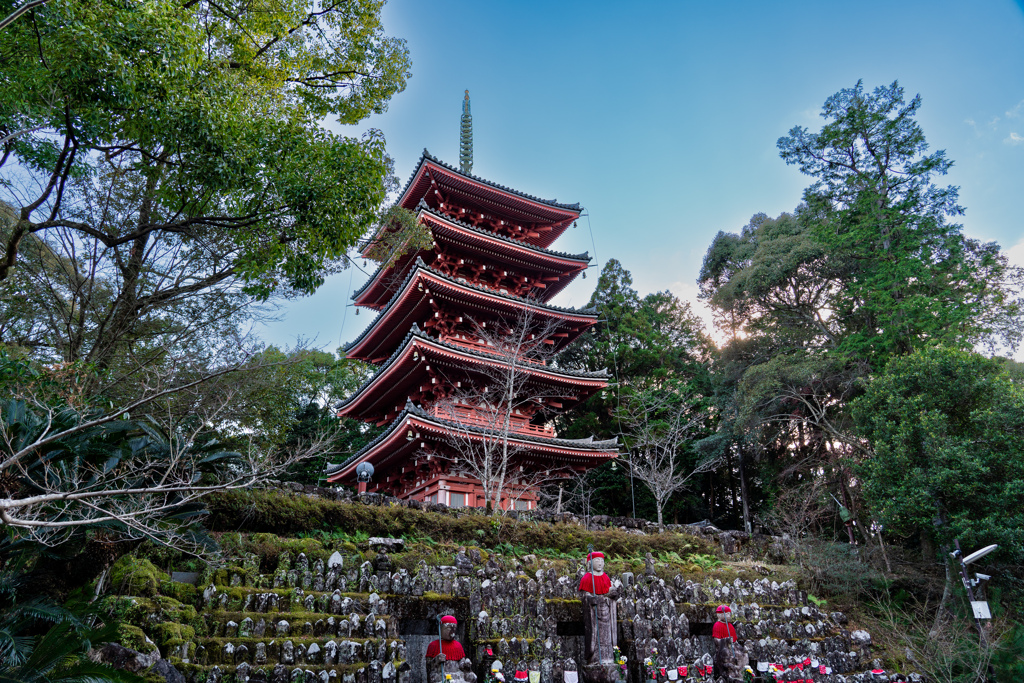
723,630
598,585
452,650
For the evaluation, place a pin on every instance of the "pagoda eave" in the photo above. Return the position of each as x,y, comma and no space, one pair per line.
414,427
425,287
555,269
432,175
410,371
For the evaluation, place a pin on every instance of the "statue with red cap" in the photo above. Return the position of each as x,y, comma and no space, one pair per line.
730,659
600,622
445,656
446,647
723,631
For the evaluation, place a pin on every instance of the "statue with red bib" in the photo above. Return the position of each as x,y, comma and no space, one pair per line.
446,648
730,659
445,659
600,622
723,631
596,582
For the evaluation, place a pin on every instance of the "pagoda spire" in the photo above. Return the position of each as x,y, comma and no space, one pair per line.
466,141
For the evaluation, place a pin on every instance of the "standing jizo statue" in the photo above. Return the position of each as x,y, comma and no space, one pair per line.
600,622
446,656
730,658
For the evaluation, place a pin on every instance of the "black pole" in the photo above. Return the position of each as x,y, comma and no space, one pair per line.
593,586
967,586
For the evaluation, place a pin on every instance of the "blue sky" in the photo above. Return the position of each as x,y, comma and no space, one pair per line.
661,118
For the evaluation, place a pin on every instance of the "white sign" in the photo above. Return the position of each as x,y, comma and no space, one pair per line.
570,676
981,610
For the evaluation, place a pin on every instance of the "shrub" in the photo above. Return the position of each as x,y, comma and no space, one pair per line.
274,512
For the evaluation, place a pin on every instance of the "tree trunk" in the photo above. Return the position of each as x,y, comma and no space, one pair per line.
743,492
947,591
927,548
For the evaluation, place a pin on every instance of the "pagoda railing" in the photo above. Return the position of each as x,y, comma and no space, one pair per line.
478,418
480,346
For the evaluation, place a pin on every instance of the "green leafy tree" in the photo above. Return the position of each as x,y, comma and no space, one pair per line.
909,277
947,430
643,342
869,267
162,158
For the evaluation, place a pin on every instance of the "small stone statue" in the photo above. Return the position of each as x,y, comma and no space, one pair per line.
382,563
463,565
600,622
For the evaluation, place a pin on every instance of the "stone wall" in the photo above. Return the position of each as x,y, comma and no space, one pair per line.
349,621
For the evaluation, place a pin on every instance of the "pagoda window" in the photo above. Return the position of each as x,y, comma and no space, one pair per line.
458,500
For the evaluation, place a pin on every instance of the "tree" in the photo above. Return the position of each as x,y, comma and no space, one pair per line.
868,268
660,424
909,277
163,158
494,400
642,341
67,466
947,431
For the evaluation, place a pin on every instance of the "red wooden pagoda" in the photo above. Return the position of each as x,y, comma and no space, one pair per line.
489,263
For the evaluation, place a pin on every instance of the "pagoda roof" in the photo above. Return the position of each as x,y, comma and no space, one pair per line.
390,380
503,249
505,201
393,445
387,330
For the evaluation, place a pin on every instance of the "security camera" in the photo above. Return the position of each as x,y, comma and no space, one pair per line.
982,577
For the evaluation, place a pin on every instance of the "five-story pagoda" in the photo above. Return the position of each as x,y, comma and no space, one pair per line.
438,344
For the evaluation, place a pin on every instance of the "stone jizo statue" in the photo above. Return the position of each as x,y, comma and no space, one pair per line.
600,622
446,660
730,659
446,648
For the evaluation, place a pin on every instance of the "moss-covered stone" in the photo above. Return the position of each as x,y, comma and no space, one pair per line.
134,576
182,592
132,637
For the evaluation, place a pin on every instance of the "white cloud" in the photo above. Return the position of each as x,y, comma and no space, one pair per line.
1016,111
1014,139
1016,253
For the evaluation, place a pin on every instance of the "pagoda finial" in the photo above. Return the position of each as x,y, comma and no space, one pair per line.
466,141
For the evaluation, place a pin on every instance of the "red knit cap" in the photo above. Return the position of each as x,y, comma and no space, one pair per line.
723,608
596,553
522,675
448,619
